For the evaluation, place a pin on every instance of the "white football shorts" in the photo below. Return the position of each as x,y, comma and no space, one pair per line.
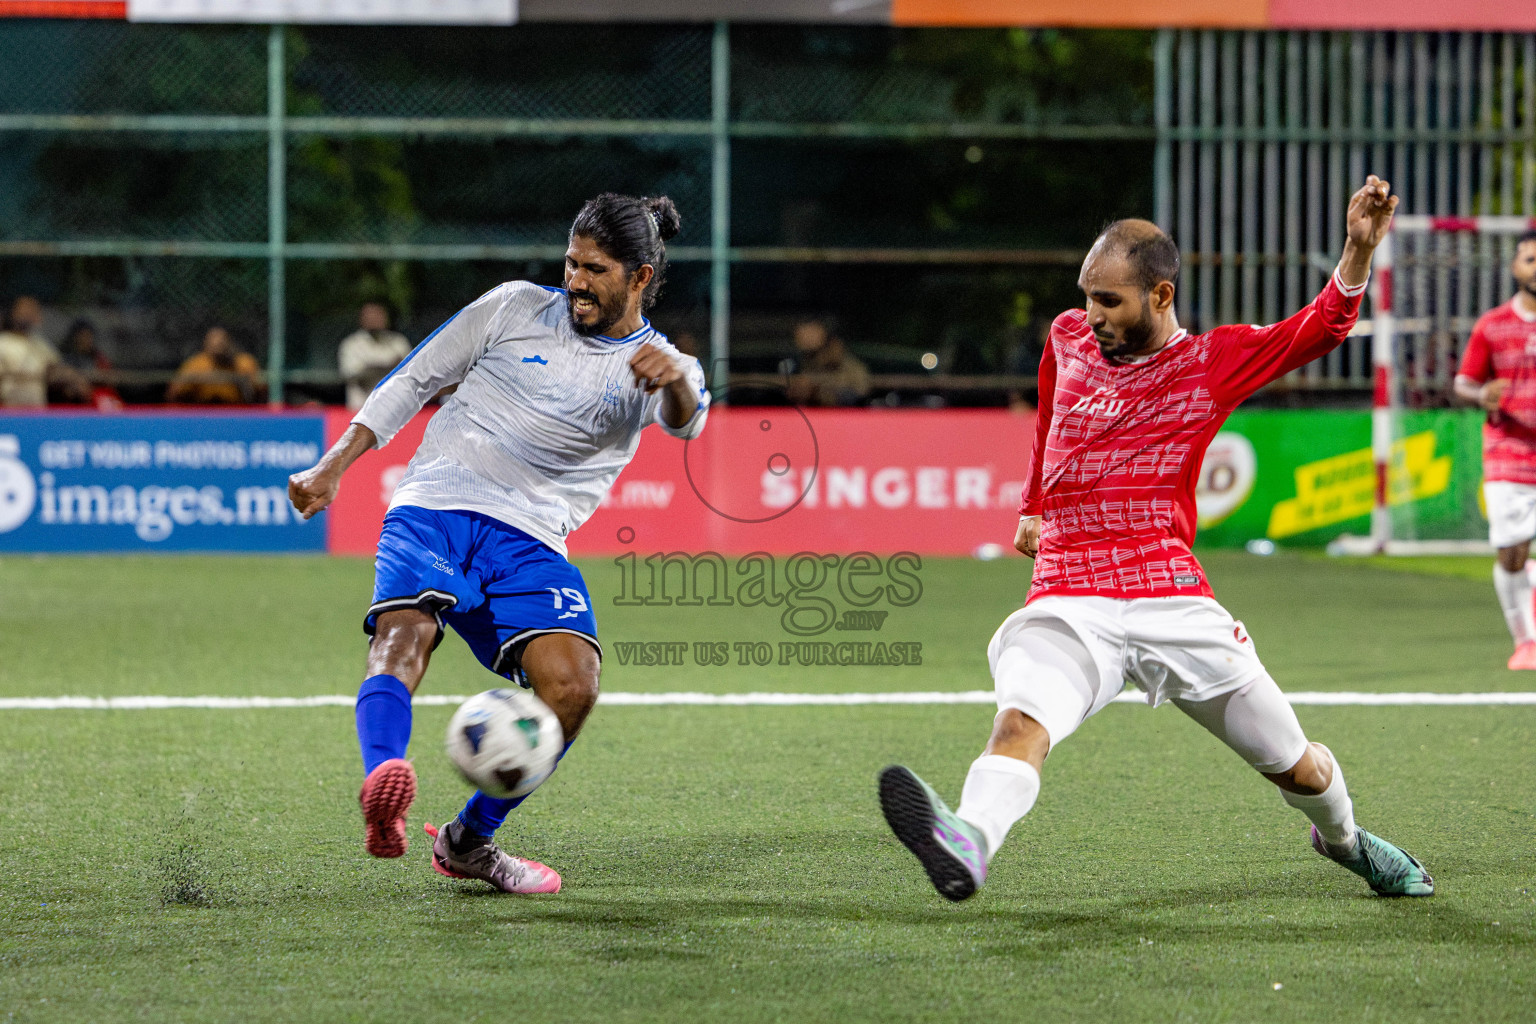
1060,659
1511,512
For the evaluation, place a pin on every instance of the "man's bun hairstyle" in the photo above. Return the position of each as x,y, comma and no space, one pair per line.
632,231
668,221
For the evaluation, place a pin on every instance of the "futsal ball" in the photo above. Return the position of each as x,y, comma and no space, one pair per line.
505,742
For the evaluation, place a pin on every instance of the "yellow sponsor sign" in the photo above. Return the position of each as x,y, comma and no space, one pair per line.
1343,487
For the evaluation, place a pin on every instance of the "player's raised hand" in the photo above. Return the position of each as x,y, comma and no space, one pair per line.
654,368
1370,212
1027,539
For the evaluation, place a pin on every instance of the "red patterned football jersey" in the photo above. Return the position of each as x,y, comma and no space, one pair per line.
1118,447
1503,345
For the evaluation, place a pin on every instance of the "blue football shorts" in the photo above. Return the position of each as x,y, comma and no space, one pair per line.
494,584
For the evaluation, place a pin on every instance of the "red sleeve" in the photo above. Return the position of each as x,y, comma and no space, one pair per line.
1245,359
1029,501
1477,359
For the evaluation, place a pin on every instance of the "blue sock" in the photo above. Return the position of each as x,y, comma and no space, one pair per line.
483,815
383,720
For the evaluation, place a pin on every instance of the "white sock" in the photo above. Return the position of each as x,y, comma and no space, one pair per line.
1514,590
998,792
1331,810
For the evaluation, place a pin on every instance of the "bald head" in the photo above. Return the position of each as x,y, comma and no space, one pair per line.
1128,278
1149,253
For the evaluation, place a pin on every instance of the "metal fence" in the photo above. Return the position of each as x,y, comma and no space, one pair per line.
934,189
242,173
1262,137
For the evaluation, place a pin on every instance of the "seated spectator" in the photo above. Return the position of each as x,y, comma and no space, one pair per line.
368,354
220,373
30,367
823,371
81,355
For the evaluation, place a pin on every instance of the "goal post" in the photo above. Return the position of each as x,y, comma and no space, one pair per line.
1432,278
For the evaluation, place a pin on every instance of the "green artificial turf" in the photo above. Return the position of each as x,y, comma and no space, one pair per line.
730,864
1477,568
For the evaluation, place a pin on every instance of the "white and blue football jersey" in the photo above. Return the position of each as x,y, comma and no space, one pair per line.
543,420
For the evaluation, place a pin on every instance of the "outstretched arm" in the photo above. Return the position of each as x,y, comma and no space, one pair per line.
440,361
1250,357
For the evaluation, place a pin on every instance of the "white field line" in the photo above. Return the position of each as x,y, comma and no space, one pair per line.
621,699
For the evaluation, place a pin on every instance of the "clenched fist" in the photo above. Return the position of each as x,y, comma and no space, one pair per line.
1027,539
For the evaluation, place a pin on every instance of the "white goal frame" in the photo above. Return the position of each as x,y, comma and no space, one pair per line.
1386,401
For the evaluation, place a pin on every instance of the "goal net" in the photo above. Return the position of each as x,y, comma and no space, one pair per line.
1433,277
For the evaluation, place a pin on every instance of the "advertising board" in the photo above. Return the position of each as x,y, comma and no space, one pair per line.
155,482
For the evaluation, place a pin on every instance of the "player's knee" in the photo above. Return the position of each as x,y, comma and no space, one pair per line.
1310,775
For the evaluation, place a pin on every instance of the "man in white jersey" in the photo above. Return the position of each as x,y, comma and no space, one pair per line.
1128,404
554,388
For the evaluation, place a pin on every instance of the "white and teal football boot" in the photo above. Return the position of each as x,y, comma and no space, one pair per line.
952,851
1386,869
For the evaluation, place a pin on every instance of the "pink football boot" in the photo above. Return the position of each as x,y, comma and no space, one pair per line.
386,796
490,863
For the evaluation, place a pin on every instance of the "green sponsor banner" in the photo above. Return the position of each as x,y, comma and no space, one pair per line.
1301,478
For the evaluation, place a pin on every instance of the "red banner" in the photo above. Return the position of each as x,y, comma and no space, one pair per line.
114,9
780,480
1409,15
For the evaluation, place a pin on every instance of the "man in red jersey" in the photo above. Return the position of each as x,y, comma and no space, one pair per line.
1498,372
1128,404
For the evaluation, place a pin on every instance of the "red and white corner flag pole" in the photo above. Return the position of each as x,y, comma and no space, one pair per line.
1383,392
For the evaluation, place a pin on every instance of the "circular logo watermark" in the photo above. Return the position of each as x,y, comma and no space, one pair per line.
780,447
18,489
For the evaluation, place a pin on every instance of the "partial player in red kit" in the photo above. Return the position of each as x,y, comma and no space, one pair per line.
1128,404
1498,372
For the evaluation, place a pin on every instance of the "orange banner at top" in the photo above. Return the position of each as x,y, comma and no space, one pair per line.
1403,15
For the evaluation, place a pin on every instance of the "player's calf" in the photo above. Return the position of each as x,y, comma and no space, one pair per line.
1017,735
402,644
1513,587
383,714
1260,725
563,670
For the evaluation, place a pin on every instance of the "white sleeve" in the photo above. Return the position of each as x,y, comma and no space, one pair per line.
694,427
441,360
